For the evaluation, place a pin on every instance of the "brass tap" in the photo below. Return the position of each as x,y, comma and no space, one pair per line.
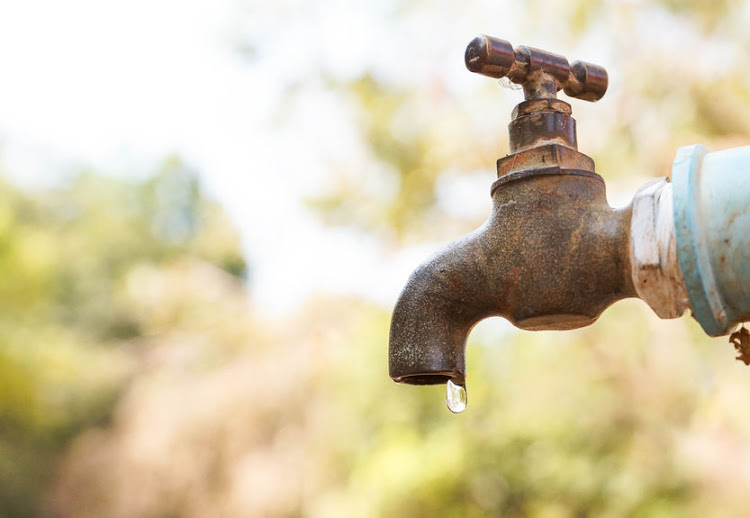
552,254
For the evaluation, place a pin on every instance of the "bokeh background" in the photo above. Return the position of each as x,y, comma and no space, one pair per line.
208,208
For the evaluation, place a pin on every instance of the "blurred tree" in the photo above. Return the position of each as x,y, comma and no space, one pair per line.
65,256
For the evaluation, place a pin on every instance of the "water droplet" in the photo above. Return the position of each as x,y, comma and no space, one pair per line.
505,82
455,397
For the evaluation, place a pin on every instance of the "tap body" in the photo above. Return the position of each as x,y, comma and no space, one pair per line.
552,254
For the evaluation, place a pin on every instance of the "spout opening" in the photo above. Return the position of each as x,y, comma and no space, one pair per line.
430,378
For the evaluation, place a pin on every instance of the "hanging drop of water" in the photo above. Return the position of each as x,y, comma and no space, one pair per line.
455,397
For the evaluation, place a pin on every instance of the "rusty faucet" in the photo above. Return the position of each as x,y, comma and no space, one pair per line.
552,254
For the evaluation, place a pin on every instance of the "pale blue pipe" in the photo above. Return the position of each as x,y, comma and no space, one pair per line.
711,200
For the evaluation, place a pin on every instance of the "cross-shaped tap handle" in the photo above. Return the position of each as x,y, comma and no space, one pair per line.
542,74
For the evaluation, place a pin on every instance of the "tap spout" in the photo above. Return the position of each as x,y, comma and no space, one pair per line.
440,304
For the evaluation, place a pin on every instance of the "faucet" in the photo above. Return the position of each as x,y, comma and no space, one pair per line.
553,254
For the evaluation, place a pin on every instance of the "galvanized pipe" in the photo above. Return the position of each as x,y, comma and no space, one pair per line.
712,231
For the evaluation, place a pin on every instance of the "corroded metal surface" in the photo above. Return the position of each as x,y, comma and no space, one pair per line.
542,74
552,255
741,341
653,251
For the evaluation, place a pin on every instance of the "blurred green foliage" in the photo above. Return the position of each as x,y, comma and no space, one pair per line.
65,325
407,153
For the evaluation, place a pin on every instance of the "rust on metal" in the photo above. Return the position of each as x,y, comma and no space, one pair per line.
542,74
741,341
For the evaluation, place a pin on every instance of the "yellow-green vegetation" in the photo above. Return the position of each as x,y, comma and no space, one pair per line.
70,338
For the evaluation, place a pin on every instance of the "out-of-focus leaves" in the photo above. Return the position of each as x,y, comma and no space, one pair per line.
709,15
105,227
599,422
67,258
412,149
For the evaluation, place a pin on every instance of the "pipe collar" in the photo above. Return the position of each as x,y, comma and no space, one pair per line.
712,231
